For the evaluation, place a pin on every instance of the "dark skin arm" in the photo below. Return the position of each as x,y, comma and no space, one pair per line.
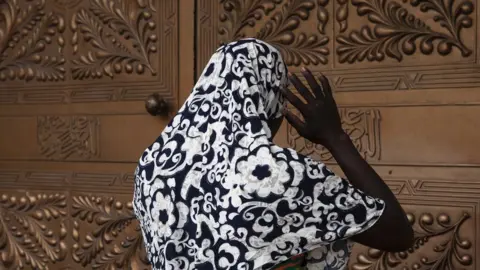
322,125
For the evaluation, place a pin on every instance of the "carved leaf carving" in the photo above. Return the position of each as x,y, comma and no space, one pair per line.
451,253
296,47
25,238
322,15
24,35
242,13
104,248
342,15
281,29
121,34
397,32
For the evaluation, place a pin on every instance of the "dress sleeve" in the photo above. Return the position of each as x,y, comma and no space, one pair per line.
315,209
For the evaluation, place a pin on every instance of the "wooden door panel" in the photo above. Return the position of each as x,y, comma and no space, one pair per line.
406,78
73,79
84,137
112,53
383,134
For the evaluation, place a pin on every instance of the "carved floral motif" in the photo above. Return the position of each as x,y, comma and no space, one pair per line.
239,14
296,47
281,29
396,32
448,255
103,248
120,36
27,239
25,32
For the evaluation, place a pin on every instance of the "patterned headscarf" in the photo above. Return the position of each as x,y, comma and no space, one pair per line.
214,192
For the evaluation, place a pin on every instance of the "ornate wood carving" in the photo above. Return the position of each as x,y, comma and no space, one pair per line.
121,38
65,137
453,252
32,230
117,50
116,240
397,32
364,34
240,14
363,126
297,48
25,33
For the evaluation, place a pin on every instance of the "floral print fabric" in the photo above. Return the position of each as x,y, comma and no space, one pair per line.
214,192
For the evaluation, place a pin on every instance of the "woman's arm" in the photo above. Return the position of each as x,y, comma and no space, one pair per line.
392,232
322,125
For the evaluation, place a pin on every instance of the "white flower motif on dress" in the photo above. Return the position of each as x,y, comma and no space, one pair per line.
162,215
262,174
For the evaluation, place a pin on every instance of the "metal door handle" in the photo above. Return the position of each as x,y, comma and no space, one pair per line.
156,105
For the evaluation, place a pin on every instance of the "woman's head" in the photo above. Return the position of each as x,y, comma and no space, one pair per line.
245,77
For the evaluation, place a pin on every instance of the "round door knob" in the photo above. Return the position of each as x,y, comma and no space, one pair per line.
156,105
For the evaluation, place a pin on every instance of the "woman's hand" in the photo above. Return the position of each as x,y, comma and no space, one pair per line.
322,123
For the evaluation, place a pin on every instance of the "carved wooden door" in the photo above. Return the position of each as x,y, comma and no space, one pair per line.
406,78
74,75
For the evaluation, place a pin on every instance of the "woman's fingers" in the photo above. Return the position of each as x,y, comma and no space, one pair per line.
312,82
301,88
326,89
296,102
298,124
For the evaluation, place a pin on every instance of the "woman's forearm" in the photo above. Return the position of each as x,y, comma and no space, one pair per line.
362,176
358,171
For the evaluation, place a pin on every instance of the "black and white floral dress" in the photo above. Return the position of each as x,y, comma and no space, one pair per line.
214,192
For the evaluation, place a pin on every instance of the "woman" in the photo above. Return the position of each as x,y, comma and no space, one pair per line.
214,192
